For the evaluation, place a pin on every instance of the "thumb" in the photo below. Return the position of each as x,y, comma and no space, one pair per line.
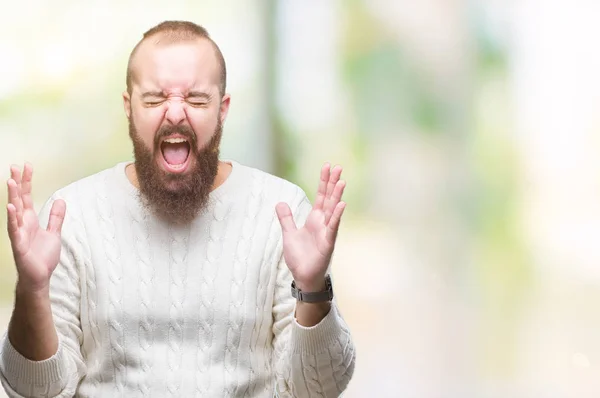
57,216
285,217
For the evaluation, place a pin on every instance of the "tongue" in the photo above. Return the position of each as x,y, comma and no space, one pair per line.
176,153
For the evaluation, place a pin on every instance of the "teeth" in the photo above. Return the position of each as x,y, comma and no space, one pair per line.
175,140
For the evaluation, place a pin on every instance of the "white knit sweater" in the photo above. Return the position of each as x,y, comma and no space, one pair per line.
146,309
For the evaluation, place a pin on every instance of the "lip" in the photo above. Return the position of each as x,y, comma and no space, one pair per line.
169,167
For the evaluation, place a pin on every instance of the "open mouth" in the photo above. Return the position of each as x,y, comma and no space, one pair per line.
175,153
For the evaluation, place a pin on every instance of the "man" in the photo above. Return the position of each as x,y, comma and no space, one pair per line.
179,274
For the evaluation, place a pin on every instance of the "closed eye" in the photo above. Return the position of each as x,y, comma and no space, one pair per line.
198,99
198,103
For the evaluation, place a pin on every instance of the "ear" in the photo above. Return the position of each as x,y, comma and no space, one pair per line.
127,103
224,109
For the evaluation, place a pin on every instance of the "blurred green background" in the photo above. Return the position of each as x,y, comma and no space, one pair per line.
468,261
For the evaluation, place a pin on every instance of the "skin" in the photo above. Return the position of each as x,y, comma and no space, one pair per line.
175,84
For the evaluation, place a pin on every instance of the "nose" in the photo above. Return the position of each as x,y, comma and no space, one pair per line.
175,112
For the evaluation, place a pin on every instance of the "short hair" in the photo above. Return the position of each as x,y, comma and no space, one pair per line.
170,32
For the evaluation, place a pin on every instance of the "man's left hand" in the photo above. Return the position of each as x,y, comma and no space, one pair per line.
307,251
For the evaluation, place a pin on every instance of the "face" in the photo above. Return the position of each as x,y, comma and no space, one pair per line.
176,114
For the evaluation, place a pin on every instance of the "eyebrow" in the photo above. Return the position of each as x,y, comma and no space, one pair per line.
199,94
153,94
191,94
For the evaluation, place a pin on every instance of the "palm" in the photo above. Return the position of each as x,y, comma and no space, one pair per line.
308,250
36,250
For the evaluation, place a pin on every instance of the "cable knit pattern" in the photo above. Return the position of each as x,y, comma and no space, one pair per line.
106,220
240,270
209,272
264,277
141,240
177,289
89,278
144,308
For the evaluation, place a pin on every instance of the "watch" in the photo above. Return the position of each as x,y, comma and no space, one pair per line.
314,297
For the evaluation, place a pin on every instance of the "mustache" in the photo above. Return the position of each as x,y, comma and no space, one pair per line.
184,131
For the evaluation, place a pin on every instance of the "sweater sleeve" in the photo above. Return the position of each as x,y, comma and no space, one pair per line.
313,361
59,375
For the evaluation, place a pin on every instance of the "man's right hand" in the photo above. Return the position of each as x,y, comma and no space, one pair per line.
36,250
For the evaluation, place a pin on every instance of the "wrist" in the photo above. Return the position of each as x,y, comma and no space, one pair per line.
311,314
26,290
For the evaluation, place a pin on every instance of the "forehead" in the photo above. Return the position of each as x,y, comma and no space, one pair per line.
176,66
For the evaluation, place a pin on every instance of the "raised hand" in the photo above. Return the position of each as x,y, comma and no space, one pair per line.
308,250
36,250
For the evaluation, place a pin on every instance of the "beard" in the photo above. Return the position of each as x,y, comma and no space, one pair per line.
176,198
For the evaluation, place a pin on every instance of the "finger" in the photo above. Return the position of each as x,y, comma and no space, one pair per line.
334,224
15,200
13,224
26,186
57,216
15,174
285,217
322,191
333,201
333,179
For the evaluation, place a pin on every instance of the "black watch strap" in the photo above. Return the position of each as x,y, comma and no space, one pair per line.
314,297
